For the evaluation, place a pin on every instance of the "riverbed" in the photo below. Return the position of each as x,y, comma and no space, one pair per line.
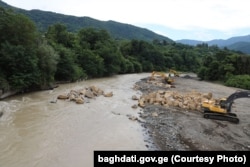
35,132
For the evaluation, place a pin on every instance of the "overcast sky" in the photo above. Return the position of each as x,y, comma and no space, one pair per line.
176,19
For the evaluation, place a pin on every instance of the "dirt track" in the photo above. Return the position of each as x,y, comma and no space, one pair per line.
179,129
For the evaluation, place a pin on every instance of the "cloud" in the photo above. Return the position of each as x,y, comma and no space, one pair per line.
208,14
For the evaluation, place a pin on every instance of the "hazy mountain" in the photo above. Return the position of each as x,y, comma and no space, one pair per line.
240,46
240,43
190,42
44,19
230,41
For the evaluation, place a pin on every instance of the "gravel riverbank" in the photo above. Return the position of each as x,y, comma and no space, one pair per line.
173,128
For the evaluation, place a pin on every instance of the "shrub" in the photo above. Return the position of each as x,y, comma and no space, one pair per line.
239,81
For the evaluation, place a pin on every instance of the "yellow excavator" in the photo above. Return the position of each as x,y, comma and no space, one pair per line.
176,74
165,78
221,109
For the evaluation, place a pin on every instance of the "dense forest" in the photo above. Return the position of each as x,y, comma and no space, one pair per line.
31,60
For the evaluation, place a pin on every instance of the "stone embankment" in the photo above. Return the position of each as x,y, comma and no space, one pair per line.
189,100
156,92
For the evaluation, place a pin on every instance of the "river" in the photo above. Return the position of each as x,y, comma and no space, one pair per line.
37,133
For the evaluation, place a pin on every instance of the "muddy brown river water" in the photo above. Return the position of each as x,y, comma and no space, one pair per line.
37,133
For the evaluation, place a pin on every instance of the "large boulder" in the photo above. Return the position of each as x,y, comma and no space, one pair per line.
79,101
110,94
62,97
89,94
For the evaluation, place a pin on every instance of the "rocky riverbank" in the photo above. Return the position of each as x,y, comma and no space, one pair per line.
180,127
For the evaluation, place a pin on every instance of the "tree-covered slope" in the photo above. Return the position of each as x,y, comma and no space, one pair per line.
44,19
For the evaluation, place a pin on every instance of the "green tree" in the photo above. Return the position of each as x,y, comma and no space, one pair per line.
91,63
47,63
123,66
111,57
202,73
88,37
18,59
67,69
58,34
239,81
130,66
103,46
147,66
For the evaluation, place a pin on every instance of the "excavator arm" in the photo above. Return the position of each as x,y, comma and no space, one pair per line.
229,101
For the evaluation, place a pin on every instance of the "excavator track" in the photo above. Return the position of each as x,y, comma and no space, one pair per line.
230,117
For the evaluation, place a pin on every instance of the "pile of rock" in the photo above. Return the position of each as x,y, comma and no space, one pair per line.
190,100
159,83
79,96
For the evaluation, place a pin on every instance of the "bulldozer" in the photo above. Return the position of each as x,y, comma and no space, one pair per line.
221,109
163,75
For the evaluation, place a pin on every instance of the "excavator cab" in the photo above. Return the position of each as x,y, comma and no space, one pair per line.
222,102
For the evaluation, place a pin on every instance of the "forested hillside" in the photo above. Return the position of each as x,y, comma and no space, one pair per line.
30,60
43,20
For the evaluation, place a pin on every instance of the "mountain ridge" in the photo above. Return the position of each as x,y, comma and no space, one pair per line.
43,19
238,43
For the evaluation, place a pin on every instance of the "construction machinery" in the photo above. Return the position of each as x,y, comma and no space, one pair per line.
163,75
221,109
175,73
